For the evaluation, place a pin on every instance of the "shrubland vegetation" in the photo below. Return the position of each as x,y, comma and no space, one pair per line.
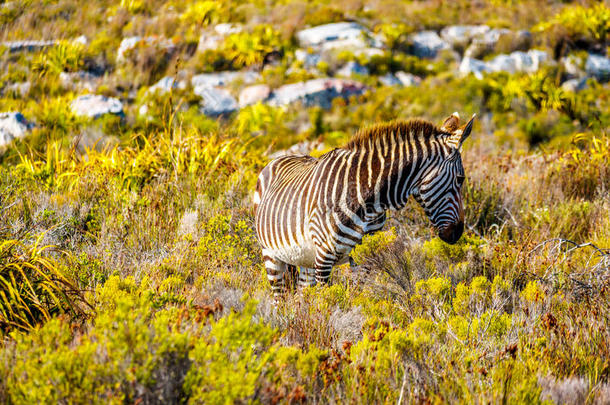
129,267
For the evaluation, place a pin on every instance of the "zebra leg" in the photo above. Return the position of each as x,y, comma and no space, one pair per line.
275,274
323,266
291,277
307,277
323,274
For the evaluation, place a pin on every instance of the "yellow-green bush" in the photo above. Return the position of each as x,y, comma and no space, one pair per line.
581,21
34,287
372,244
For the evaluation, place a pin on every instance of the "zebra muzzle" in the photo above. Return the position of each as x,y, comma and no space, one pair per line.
451,233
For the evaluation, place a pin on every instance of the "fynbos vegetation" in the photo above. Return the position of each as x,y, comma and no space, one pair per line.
132,134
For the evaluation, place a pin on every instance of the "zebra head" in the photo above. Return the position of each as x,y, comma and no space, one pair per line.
439,190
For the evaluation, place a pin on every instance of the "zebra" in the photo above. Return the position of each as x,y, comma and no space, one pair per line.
310,213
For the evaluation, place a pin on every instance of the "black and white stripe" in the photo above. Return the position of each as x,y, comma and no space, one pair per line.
310,213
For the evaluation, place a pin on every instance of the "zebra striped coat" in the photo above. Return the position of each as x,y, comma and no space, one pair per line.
310,212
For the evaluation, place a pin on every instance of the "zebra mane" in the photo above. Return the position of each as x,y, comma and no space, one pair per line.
396,128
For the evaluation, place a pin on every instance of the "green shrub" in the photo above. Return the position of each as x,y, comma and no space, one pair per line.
250,48
64,57
372,244
580,21
228,364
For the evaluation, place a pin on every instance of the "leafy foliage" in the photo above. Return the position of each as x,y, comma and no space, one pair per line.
33,287
66,56
250,48
593,22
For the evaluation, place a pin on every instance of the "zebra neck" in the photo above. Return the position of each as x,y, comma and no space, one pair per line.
389,171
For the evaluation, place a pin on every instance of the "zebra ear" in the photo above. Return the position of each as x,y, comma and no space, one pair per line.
452,123
458,136
466,129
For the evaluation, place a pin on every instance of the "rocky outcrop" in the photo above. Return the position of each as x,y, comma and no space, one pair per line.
216,101
389,80
485,43
408,79
474,66
212,39
27,45
574,66
309,59
460,36
574,85
254,94
95,106
223,78
13,125
427,44
315,92
530,61
322,34
598,66
351,69
129,44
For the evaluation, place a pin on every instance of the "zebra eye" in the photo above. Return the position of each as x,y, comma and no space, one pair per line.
460,179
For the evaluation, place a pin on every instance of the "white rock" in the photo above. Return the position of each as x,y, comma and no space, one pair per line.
130,43
94,106
427,44
408,79
503,63
228,28
216,101
598,66
474,66
351,44
212,39
81,40
377,40
27,45
79,80
20,88
167,84
530,62
524,62
485,42
143,110
353,68
209,41
126,45
538,59
574,85
309,59
390,80
223,78
254,94
318,92
461,35
13,125
330,32
573,65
